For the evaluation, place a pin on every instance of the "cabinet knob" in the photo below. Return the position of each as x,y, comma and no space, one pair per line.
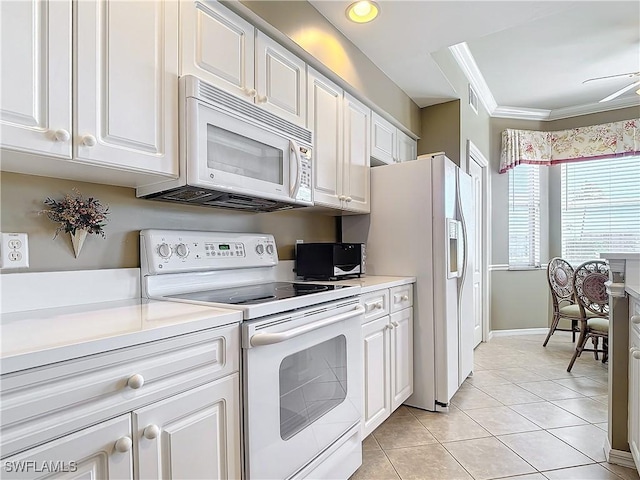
61,135
635,352
151,432
341,197
388,327
404,298
123,444
635,319
395,324
89,140
135,381
262,99
349,199
379,305
251,92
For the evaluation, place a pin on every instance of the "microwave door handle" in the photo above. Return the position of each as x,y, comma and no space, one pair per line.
296,151
262,338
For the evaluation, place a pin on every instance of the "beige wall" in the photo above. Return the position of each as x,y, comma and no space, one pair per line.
22,197
303,24
510,290
441,130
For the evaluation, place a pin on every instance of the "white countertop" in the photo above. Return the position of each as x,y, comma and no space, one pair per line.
38,337
372,283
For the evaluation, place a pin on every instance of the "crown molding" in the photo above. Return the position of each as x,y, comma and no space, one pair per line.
467,64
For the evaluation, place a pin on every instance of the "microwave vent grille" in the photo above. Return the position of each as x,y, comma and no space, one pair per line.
227,100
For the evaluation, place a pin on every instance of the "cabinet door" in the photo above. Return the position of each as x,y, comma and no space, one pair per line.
406,147
377,374
355,183
281,80
383,139
195,434
634,394
217,46
401,356
325,119
89,453
126,110
35,86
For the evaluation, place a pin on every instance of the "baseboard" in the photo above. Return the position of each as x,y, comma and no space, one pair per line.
517,331
618,457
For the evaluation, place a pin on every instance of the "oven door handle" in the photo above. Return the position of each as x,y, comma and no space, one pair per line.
260,339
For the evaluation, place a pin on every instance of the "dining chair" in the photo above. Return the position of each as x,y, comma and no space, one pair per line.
560,279
593,301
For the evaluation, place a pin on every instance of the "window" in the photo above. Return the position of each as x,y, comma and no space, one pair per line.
524,216
600,208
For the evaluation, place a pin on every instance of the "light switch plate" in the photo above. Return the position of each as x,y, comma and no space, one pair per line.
14,250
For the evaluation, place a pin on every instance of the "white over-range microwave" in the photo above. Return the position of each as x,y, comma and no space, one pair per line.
234,154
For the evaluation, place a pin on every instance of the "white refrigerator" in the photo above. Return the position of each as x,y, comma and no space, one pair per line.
421,224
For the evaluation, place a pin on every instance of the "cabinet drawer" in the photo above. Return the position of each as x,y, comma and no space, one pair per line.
376,304
401,297
52,400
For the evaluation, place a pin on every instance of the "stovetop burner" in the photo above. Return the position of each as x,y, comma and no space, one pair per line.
256,294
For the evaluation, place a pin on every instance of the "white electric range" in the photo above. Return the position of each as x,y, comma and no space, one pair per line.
302,351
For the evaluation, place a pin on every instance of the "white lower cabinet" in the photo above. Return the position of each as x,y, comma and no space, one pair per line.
166,409
634,380
388,357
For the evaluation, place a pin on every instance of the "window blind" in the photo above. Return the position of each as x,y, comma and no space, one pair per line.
600,208
524,216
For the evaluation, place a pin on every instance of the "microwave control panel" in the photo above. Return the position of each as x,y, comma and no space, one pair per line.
306,185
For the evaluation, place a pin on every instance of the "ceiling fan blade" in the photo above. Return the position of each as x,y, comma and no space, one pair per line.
620,92
630,75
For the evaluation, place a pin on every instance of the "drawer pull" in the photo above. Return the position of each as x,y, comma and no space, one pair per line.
135,381
635,352
151,432
123,444
404,298
635,319
379,305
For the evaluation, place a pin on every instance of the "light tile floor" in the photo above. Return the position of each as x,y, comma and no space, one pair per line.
520,416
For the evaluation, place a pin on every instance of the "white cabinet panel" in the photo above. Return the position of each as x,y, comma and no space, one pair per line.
325,119
35,87
406,147
356,155
281,80
383,139
402,356
634,380
127,85
91,453
377,374
192,435
217,46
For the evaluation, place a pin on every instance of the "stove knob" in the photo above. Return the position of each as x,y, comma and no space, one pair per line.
182,250
270,249
259,249
164,250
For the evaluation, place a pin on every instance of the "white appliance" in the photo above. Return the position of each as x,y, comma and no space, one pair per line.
302,348
234,154
420,224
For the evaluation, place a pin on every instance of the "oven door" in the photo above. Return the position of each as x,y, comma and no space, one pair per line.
229,153
303,386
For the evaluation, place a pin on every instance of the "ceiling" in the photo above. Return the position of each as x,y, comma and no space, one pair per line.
526,59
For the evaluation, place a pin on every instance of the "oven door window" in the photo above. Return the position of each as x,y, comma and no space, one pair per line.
312,383
233,153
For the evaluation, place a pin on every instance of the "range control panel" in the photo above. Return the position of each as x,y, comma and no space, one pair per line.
174,251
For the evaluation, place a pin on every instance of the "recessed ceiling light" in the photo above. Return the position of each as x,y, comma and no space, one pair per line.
363,11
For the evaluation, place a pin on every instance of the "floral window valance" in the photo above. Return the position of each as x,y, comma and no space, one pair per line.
608,140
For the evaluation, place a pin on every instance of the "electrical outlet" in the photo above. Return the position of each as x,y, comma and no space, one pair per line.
14,250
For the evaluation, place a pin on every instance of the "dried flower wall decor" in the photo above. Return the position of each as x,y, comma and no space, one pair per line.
78,216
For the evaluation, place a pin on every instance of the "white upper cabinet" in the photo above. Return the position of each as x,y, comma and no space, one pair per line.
356,155
127,85
223,49
406,147
340,125
389,144
325,119
217,46
383,139
281,80
35,87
